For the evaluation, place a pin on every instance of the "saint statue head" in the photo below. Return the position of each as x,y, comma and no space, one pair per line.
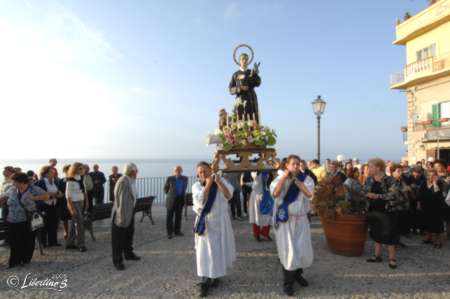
243,60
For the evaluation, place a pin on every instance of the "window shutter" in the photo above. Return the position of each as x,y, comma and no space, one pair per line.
436,115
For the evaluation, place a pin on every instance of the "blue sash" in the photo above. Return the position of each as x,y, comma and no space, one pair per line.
200,225
266,204
291,196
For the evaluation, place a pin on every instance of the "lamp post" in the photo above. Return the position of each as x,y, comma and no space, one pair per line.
318,109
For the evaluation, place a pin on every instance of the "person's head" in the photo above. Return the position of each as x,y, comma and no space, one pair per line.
365,170
333,166
419,164
424,162
315,163
178,170
348,166
86,168
355,161
115,169
440,166
52,162
293,164
17,169
21,181
243,60
130,170
46,173
75,169
95,167
376,166
356,172
31,175
8,171
203,171
396,171
405,163
66,169
416,172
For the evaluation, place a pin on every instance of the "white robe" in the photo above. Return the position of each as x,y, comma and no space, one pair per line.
254,211
293,238
215,250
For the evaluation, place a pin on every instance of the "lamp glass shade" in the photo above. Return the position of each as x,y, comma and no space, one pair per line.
318,106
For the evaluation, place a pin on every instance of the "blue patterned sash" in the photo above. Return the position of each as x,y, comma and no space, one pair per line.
200,225
291,196
266,204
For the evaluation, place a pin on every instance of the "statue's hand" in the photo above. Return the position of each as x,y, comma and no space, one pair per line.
256,67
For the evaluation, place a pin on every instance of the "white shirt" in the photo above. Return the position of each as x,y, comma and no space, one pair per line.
73,190
51,188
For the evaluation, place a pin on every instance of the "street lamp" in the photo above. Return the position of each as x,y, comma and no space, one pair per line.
318,109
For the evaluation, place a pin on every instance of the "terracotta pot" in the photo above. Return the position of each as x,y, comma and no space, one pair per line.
346,235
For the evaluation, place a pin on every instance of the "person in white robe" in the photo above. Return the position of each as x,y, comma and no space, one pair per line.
215,246
260,222
293,237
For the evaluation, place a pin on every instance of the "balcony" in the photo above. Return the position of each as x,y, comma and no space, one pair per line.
424,21
421,71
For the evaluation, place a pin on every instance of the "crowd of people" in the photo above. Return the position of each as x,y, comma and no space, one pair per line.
58,200
401,200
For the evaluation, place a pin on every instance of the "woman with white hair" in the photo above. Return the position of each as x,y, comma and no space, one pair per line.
122,229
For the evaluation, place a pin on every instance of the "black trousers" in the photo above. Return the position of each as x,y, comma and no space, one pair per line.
289,276
246,191
89,196
99,195
21,243
235,203
122,241
49,231
175,212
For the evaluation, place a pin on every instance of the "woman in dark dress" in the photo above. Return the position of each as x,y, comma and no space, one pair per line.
433,209
386,199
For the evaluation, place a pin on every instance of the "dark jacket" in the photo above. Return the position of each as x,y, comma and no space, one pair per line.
171,192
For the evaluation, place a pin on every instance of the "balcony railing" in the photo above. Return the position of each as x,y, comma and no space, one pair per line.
422,68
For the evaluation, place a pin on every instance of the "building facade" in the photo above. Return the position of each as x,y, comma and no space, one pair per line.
426,81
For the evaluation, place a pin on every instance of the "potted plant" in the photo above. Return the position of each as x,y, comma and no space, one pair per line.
342,210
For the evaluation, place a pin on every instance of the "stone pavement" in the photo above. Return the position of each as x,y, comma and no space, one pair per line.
167,269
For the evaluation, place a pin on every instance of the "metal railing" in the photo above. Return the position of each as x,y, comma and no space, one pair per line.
152,186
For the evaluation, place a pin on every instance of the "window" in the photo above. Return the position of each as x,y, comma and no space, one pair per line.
439,112
427,52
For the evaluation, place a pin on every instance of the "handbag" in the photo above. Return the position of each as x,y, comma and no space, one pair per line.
34,218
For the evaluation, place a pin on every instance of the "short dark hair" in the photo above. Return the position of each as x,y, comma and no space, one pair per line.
20,177
315,161
440,162
203,163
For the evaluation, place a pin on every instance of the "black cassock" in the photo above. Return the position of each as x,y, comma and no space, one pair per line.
248,97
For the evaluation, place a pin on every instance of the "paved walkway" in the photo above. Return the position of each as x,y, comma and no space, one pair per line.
167,269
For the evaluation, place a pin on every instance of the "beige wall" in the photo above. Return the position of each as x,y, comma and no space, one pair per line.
420,100
440,36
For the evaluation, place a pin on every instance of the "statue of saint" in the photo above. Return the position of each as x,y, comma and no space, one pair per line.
242,85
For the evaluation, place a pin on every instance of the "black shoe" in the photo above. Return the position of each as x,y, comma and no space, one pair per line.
215,283
392,263
301,280
82,249
179,234
427,242
401,245
119,266
169,236
375,259
258,238
288,289
71,247
203,290
55,245
132,257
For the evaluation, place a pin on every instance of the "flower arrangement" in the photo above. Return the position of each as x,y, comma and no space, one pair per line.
244,132
332,198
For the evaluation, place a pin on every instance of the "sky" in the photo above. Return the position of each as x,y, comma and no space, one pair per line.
145,79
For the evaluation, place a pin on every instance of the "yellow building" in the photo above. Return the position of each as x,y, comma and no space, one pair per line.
426,81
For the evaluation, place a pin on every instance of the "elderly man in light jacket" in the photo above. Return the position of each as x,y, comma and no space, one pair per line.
123,217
